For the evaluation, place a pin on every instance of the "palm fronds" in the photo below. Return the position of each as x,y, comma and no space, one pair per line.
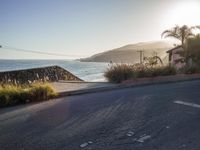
181,33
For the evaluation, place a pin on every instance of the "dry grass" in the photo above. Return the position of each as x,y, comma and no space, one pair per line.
121,72
12,94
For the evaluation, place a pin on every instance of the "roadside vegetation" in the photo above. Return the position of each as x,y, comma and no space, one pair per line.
153,66
21,94
190,43
121,72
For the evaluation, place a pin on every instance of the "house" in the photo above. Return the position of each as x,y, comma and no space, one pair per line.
174,57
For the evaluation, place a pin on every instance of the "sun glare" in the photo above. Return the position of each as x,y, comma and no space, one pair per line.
184,13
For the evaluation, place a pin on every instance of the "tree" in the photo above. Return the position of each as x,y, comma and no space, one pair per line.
193,49
197,36
182,33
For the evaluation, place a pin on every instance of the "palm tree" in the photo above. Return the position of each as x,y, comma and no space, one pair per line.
181,33
193,49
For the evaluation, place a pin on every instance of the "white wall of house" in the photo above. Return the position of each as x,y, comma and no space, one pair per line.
175,57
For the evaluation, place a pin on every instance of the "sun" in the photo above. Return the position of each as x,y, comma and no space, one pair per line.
184,13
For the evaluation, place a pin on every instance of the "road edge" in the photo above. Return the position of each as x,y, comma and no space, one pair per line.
123,86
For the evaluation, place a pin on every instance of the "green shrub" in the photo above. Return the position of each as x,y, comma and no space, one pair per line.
42,92
168,70
12,95
119,72
7,93
141,71
155,71
190,70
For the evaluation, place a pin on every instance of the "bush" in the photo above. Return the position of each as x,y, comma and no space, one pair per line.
42,92
118,73
12,95
155,71
141,71
190,70
168,70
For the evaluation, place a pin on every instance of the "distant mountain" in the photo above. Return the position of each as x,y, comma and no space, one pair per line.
129,54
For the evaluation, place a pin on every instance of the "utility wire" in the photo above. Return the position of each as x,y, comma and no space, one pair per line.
37,52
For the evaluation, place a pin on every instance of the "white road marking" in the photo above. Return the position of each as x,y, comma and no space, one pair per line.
130,133
187,104
143,138
84,145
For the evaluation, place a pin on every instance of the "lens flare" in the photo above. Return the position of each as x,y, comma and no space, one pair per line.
184,13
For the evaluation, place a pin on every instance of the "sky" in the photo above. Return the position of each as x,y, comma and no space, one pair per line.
80,28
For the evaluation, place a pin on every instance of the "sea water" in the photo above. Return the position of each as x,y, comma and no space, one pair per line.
88,71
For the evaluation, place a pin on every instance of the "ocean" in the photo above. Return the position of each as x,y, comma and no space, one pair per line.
88,71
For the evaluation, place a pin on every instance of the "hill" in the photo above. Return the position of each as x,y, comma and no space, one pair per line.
129,54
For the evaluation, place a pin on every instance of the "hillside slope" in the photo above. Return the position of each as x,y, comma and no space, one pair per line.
129,54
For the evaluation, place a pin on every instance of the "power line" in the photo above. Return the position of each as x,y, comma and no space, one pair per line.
37,52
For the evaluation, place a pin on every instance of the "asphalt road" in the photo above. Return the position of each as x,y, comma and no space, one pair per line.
142,118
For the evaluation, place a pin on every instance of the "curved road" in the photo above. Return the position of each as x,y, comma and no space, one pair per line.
142,118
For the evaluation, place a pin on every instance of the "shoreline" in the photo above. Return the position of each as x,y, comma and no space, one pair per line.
85,70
